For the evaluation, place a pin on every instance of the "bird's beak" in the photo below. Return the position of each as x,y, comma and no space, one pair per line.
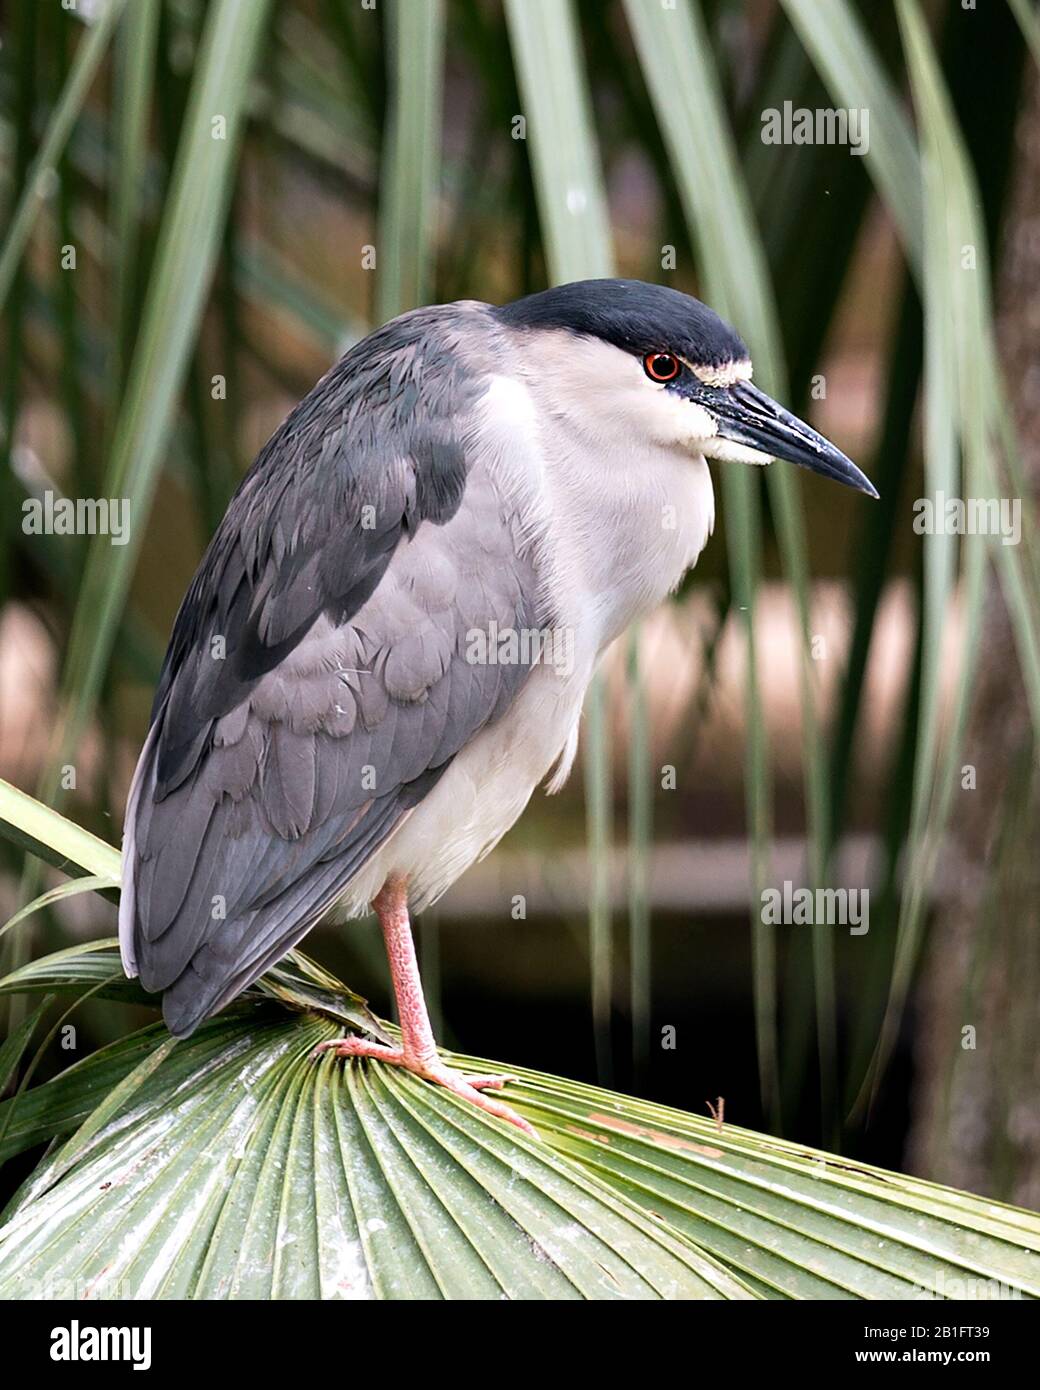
746,415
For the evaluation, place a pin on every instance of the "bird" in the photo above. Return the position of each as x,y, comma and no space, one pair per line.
386,646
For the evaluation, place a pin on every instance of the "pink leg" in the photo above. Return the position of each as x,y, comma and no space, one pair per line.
418,1051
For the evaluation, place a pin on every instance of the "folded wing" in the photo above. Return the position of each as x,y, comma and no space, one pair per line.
317,682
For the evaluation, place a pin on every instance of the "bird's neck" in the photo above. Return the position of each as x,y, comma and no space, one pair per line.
619,525
628,525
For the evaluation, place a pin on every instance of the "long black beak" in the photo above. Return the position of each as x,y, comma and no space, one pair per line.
748,416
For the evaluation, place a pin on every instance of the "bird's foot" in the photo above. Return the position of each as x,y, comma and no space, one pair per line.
470,1088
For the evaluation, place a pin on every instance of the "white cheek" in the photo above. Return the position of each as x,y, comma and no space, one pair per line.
699,425
726,451
672,420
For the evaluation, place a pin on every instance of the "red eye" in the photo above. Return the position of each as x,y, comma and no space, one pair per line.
661,366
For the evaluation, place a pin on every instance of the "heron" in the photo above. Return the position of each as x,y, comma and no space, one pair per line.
366,681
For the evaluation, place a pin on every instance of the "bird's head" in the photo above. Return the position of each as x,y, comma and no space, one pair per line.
639,358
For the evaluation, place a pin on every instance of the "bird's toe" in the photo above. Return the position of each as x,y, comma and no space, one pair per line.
462,1086
493,1081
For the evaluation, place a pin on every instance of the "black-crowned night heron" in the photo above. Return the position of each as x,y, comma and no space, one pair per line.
387,644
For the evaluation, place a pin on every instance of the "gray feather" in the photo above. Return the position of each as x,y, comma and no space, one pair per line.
342,690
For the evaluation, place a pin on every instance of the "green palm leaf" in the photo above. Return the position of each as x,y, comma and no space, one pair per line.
235,1165
270,1174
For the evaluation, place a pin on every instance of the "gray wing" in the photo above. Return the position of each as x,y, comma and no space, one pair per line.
317,683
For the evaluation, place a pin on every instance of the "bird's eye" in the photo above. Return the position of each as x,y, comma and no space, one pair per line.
661,366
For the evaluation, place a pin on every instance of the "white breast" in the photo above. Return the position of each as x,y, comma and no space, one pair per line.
619,525
480,796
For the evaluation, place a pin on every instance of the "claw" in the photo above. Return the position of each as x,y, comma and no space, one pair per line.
433,1069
